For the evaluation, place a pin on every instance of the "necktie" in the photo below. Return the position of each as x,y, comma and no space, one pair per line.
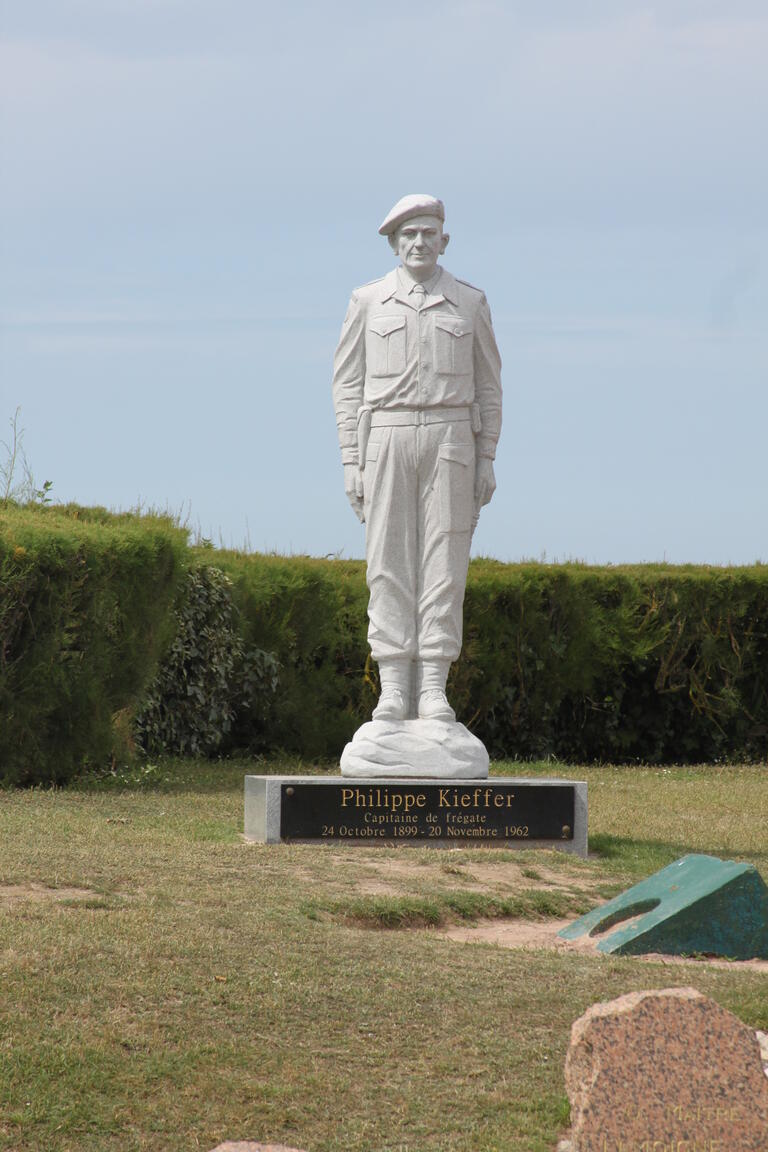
420,293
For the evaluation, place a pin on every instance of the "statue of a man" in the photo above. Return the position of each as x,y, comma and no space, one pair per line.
417,392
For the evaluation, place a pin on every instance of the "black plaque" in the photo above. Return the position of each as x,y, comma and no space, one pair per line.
480,813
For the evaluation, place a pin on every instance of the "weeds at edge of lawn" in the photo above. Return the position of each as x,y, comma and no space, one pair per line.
171,774
442,908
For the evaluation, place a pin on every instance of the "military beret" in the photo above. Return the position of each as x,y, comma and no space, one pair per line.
417,204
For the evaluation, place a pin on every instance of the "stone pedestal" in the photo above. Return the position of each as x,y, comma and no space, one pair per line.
500,811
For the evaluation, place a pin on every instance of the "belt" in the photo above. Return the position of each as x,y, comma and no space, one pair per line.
391,417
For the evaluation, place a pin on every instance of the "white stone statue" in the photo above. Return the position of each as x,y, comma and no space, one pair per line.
417,392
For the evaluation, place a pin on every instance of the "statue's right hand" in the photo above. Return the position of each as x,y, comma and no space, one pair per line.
353,486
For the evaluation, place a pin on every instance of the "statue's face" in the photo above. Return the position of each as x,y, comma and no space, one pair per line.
419,242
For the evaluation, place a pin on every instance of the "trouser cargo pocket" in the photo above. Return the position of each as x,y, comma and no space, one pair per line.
456,481
369,469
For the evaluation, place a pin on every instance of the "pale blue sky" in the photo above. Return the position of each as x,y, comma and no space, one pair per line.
189,189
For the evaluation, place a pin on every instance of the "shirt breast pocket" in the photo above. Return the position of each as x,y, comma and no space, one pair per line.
453,345
386,346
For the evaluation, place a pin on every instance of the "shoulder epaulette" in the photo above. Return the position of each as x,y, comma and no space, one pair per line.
467,284
371,283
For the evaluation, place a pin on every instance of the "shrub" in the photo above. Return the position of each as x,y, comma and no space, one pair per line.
208,677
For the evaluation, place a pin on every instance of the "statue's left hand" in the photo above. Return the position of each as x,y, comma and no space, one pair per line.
485,481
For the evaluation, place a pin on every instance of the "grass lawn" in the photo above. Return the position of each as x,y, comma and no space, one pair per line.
167,986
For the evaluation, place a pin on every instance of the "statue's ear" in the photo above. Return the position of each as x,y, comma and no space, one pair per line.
392,241
444,245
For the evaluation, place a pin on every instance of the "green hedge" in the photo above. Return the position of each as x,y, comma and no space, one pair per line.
653,663
625,664
637,663
311,615
85,612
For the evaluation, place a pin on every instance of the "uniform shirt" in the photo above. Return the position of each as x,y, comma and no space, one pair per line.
392,354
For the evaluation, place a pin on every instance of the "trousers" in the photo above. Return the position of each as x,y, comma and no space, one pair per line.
418,486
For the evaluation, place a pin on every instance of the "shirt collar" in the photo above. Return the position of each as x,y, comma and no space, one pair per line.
441,284
408,285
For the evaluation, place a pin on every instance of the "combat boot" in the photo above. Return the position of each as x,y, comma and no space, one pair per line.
392,705
433,705
395,698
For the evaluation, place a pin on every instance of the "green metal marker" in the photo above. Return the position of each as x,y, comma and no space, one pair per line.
699,904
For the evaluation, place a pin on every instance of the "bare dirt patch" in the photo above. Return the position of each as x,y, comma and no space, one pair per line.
11,894
544,934
388,874
519,934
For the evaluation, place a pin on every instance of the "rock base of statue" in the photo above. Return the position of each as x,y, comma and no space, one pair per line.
401,749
